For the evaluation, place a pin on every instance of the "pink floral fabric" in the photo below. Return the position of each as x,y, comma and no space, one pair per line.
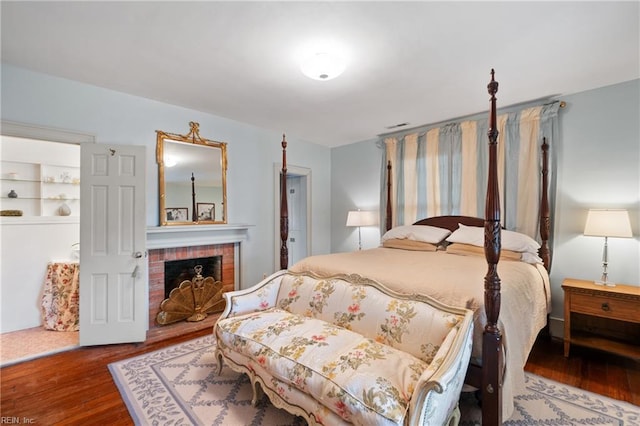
59,304
369,312
359,379
357,352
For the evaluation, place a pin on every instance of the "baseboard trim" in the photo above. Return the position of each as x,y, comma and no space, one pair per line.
556,327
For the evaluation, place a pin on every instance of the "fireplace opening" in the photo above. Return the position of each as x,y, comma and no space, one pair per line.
177,271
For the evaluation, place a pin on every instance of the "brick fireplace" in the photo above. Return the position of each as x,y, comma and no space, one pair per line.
172,243
158,257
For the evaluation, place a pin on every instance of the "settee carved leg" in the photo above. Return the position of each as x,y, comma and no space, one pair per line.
258,393
454,419
219,356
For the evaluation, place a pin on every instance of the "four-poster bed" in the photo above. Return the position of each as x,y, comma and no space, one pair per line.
391,268
284,209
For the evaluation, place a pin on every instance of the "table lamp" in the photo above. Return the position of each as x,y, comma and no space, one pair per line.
361,218
607,223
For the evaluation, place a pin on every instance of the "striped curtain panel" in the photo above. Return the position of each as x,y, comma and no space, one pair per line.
443,170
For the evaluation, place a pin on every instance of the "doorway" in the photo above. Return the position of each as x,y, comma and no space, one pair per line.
46,231
299,207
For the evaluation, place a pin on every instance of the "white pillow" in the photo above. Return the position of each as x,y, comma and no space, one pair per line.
425,233
510,240
529,257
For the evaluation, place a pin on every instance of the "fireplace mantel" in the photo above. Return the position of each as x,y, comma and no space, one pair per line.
169,243
194,235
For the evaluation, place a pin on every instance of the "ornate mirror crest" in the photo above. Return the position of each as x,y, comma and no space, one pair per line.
192,182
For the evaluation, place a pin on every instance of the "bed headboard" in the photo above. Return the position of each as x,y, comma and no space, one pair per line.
451,222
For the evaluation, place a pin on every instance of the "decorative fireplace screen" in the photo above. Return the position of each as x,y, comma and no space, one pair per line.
192,300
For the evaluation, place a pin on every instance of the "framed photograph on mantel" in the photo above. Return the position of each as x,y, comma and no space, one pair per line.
176,214
206,211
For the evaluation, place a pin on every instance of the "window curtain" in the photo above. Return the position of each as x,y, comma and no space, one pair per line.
442,170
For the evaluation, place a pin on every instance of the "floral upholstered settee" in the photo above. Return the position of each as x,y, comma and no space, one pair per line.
347,350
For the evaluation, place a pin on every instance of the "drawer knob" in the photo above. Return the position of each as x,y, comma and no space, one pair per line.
605,307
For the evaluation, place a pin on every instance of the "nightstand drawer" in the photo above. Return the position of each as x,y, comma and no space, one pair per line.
606,318
606,306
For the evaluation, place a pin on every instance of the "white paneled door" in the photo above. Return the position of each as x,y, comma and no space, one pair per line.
299,208
113,288
297,202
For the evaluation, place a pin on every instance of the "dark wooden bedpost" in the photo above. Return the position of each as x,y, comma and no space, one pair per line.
545,214
389,217
284,209
492,337
194,213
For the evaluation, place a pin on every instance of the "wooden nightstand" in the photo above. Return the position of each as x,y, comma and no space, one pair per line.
605,318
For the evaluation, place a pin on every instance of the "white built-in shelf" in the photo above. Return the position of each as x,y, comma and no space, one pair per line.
38,220
42,188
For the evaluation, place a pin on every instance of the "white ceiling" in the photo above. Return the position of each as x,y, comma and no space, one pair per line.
415,62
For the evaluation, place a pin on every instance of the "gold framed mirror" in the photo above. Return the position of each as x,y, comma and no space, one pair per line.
192,178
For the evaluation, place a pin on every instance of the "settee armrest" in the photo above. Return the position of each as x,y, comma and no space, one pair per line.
435,399
256,298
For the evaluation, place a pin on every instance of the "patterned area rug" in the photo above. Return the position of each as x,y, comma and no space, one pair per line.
179,385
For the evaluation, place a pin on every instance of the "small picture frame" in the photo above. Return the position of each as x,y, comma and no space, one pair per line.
176,214
206,211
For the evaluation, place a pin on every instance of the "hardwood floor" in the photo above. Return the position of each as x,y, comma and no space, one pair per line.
75,387
588,369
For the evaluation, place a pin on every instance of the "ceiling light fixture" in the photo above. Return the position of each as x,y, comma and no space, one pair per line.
323,66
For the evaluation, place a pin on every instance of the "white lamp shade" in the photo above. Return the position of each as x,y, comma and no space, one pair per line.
362,218
608,223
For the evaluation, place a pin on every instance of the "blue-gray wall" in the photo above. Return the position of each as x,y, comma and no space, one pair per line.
118,118
598,166
355,184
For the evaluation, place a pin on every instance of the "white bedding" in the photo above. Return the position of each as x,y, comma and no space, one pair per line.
458,280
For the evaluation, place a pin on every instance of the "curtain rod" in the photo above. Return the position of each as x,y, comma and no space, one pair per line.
501,109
